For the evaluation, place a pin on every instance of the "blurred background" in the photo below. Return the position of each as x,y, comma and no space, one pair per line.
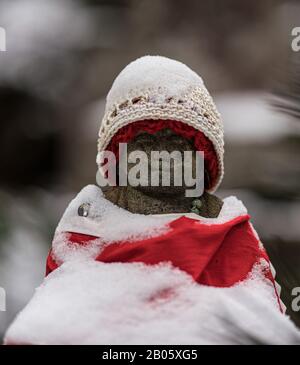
61,59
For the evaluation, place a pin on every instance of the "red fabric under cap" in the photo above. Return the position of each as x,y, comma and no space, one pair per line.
200,141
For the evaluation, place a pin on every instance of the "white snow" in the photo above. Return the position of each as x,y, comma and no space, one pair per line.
96,303
106,221
155,70
104,215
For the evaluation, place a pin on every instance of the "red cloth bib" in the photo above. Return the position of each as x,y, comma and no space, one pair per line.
213,254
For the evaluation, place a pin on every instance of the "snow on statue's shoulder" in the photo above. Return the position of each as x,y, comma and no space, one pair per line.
107,220
232,207
104,221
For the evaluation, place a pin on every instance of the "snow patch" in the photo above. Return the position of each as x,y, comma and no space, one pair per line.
66,250
98,303
176,77
107,220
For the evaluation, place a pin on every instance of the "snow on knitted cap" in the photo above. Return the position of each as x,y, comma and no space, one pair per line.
159,88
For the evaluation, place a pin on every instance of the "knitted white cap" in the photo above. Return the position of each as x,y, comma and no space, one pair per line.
155,87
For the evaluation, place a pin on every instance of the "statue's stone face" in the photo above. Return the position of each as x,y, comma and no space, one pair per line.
162,199
164,140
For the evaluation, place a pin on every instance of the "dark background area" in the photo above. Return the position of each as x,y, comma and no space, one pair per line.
61,59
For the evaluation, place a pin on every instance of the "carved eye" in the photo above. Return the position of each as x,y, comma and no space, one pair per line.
83,210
